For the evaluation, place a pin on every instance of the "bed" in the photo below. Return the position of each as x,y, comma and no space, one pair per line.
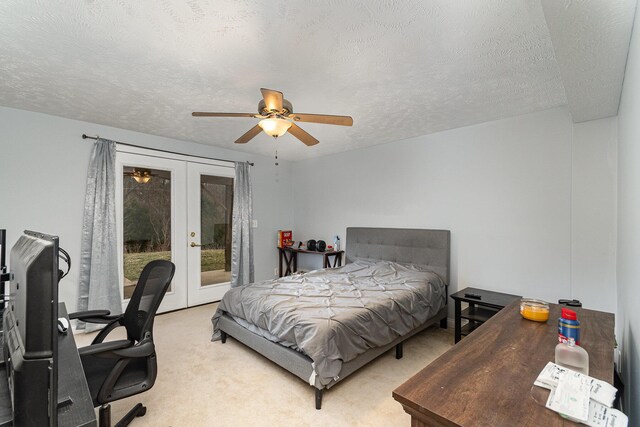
324,325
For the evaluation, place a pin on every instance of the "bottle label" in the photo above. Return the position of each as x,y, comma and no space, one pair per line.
568,329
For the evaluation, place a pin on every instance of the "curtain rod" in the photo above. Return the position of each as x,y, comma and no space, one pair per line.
165,151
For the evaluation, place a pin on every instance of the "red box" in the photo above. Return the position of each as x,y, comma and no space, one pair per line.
285,238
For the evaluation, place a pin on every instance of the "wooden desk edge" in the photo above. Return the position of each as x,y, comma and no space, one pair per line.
420,417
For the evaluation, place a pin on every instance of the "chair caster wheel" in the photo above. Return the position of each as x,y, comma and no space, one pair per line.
142,412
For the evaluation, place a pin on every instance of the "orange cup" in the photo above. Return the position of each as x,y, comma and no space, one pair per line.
533,309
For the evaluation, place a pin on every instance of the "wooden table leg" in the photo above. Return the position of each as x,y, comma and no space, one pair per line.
288,261
337,260
287,264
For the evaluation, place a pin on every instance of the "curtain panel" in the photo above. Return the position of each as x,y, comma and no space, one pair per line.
242,234
99,282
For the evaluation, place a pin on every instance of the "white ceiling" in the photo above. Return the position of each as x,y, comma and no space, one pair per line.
591,43
399,68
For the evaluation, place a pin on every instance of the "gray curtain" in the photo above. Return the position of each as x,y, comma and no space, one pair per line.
242,234
99,282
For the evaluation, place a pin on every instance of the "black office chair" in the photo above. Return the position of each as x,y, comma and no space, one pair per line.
122,368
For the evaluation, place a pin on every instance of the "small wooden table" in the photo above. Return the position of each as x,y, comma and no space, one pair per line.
487,379
480,309
288,259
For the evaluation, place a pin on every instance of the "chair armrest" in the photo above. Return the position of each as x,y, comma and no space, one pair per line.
104,347
120,349
89,313
95,316
143,349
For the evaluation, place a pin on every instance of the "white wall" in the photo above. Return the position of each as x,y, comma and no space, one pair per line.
628,268
593,213
43,166
503,188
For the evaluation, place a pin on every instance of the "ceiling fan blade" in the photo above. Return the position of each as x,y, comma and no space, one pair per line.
205,114
249,135
272,98
323,118
302,135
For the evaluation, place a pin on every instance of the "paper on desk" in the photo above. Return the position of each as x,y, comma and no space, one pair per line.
601,416
571,396
602,394
601,391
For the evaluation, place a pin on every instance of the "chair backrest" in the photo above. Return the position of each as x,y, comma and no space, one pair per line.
147,296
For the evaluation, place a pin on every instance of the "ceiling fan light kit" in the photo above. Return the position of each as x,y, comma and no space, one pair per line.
277,118
141,176
275,126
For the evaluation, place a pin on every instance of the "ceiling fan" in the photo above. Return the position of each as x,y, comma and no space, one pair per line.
278,117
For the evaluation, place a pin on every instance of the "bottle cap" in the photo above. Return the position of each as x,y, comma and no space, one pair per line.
569,314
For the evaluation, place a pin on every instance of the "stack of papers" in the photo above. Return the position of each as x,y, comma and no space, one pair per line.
580,397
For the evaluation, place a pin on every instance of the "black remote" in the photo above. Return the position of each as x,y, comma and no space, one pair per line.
472,295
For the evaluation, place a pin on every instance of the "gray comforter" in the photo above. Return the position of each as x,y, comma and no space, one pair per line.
334,315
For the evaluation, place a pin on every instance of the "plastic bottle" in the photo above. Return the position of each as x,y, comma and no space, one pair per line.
572,356
568,326
336,243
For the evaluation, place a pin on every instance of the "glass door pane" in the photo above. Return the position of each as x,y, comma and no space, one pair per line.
152,222
210,205
146,224
216,203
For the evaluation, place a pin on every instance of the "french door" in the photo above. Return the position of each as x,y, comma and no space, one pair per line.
179,210
210,201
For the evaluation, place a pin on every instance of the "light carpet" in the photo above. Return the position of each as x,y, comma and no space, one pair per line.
204,383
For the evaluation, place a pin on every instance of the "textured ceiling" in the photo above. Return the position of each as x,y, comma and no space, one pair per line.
400,68
591,42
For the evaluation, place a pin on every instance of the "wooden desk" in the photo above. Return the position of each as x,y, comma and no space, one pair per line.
487,378
288,259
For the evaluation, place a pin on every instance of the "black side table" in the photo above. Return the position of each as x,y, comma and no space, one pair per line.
483,305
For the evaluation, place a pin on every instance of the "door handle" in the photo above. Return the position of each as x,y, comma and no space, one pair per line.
193,244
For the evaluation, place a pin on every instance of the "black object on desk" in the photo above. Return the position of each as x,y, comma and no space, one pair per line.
570,302
42,382
288,259
75,407
483,305
30,346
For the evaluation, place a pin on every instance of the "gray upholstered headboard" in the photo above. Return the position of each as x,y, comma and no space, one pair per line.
415,246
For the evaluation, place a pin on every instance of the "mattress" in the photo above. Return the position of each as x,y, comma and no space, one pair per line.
334,315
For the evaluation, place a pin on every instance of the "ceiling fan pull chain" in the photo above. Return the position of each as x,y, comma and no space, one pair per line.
276,144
